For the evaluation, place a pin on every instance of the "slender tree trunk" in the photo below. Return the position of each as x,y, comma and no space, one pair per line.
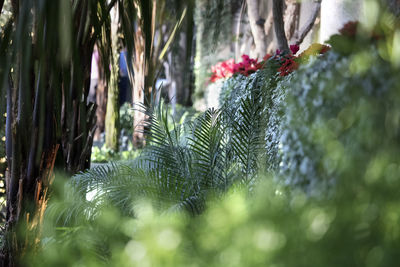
145,58
101,102
139,88
299,36
279,26
179,64
291,18
112,114
257,27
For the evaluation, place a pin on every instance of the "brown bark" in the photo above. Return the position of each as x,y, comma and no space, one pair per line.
101,102
279,26
257,27
27,212
139,87
291,18
144,63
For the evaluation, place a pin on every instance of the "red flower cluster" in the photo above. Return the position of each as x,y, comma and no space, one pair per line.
228,68
288,65
288,62
222,70
248,65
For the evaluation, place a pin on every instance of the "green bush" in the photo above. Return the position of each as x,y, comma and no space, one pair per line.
339,120
126,118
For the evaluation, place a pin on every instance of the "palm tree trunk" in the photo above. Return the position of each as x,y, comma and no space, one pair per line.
138,88
112,113
144,66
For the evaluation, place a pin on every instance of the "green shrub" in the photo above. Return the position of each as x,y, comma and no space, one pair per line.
339,120
126,118
268,228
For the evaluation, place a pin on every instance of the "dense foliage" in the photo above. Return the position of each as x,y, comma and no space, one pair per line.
294,170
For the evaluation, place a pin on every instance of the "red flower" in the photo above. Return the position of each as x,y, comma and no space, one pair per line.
222,70
349,29
294,48
288,66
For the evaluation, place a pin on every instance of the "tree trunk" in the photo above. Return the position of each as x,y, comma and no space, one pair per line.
101,102
112,114
257,27
311,11
279,26
31,108
139,88
291,17
178,66
145,60
47,114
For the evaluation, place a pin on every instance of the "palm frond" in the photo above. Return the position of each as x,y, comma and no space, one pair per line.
247,138
207,146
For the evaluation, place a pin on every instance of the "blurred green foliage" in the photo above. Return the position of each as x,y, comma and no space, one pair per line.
358,226
103,154
126,118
